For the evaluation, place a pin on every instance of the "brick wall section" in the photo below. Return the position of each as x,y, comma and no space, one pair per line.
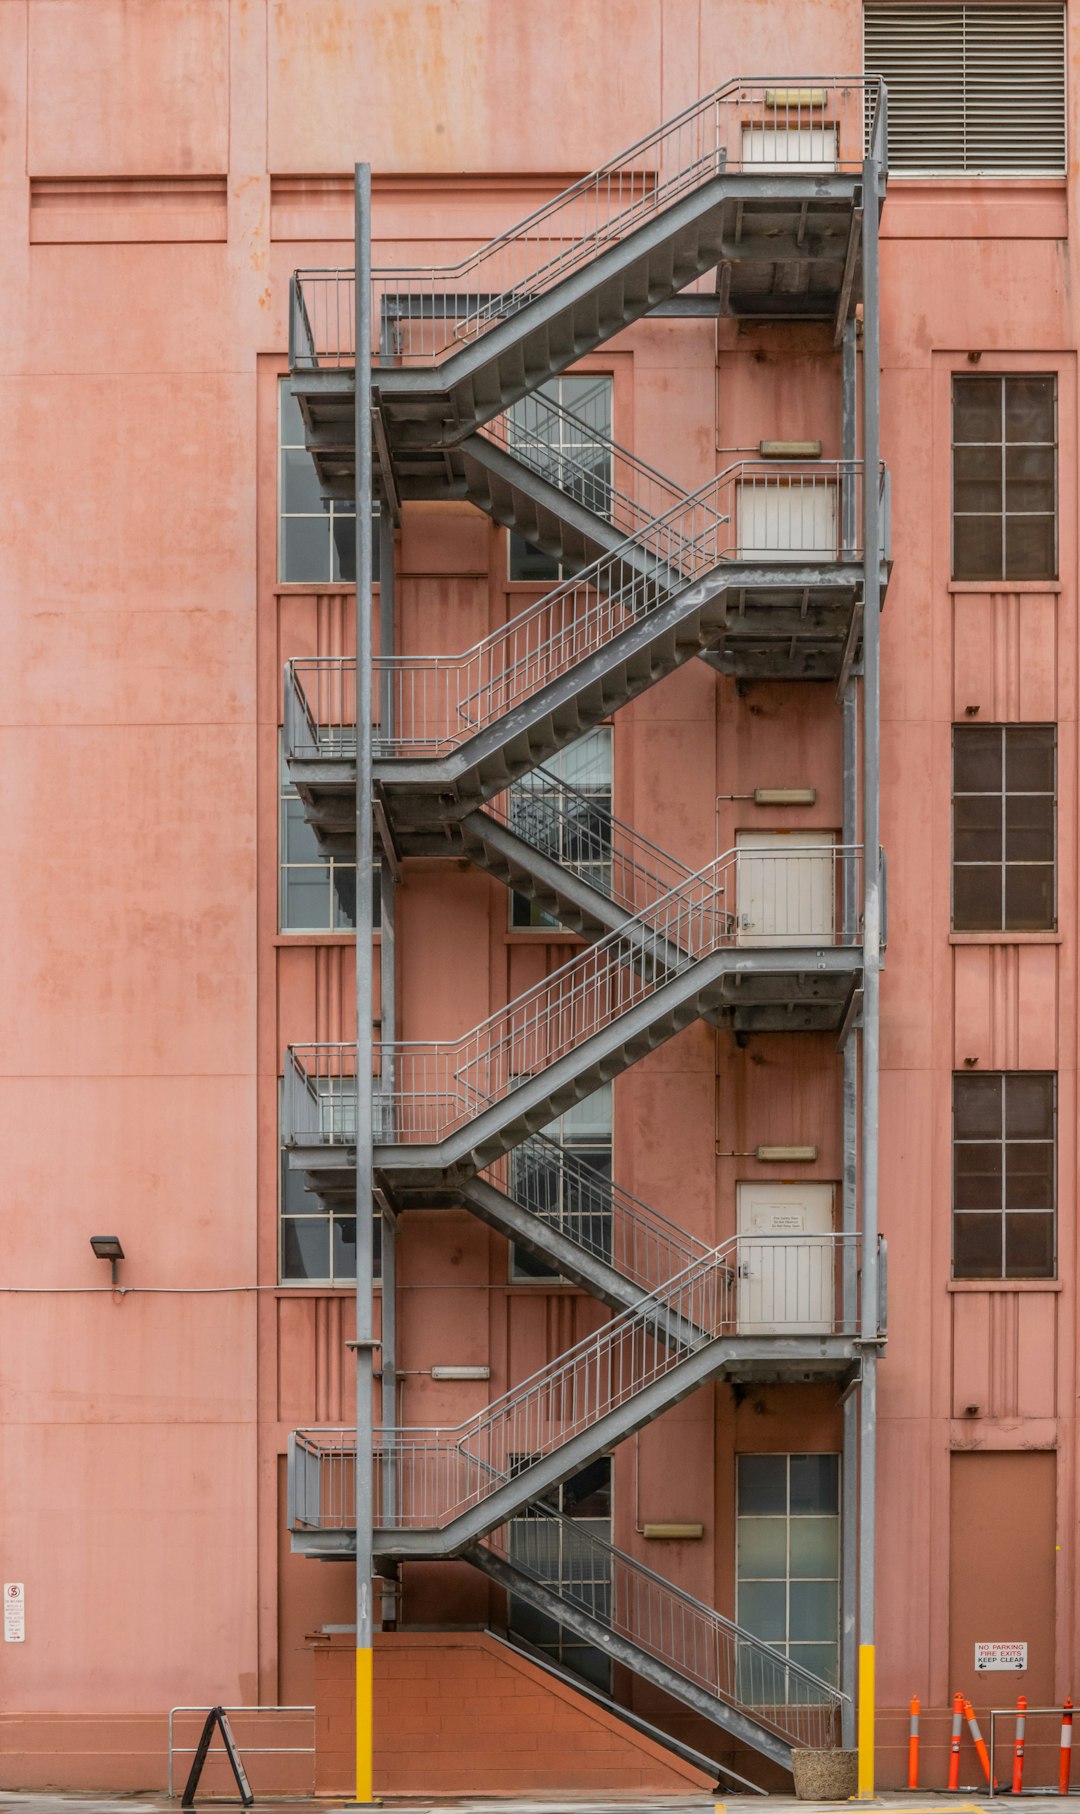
457,1714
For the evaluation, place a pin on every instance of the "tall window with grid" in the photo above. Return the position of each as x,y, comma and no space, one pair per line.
1004,450
788,1556
1005,1175
565,1179
1004,827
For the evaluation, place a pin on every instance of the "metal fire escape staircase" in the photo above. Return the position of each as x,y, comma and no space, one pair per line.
749,182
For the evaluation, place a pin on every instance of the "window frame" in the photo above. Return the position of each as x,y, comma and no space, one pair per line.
1004,794
1003,516
580,1148
328,865
1005,1210
788,1647
545,925
561,378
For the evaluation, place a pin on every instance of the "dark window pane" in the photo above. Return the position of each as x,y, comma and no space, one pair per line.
815,1485
344,897
977,899
977,547
299,483
977,409
813,1611
1029,828
977,1175
1029,1175
980,495
292,422
528,563
977,1107
1029,1105
977,1247
1029,548
295,1199
526,1265
587,1494
1032,465
1029,899
306,900
976,759
979,465
305,548
301,845
1029,1247
344,1247
344,547
762,1484
1024,495
977,828
1029,409
305,1249
1029,758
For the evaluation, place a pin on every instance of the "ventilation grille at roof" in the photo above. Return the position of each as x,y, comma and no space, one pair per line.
973,90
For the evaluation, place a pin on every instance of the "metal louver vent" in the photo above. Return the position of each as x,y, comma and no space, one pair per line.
974,90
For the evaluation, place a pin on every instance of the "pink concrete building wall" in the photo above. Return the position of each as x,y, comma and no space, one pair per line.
164,166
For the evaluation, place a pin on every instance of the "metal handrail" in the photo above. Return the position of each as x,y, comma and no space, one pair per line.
441,1085
595,1213
628,493
809,125
772,513
697,1642
581,833
751,1287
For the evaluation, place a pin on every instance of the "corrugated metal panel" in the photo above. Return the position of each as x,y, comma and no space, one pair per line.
976,90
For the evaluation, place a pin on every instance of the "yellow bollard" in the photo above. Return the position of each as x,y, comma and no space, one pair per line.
866,1722
364,1722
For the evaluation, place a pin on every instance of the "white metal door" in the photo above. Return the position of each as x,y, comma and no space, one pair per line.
787,519
785,1259
785,887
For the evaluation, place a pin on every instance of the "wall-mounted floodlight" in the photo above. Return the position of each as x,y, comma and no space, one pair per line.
107,1247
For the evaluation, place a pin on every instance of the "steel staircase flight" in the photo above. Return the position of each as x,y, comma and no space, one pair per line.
757,180
713,1666
464,1102
458,729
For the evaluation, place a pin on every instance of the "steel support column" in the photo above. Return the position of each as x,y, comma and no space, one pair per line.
365,1328
388,1018
871,452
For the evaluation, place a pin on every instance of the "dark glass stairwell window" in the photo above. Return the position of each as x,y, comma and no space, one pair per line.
565,1557
564,810
316,534
573,456
1004,827
564,1178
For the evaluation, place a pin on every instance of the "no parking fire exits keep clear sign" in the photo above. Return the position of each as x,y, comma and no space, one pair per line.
14,1612
1000,1655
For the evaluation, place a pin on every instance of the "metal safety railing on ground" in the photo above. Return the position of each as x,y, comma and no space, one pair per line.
247,1750
763,126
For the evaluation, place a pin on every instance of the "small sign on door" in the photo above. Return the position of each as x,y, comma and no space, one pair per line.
14,1612
1000,1655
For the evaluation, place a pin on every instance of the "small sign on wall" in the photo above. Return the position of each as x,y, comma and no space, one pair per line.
14,1612
1000,1655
